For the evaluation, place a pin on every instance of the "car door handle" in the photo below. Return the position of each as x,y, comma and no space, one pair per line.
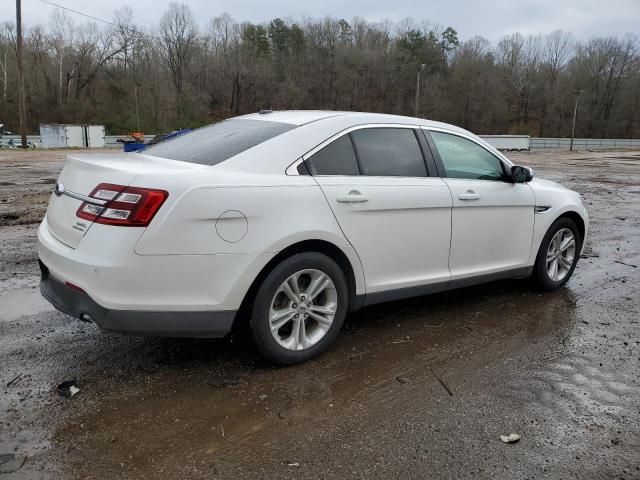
469,195
354,196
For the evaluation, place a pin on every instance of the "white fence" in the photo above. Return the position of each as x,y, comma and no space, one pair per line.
583,143
31,140
110,140
508,142
535,143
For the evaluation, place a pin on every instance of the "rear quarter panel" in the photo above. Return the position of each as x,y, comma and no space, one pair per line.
239,214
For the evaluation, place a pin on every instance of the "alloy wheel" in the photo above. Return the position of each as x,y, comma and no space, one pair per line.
561,254
302,309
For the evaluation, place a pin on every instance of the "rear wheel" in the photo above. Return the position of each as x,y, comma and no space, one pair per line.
299,308
558,254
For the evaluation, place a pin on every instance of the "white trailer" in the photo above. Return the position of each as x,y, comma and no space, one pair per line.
66,135
95,136
53,136
75,136
508,142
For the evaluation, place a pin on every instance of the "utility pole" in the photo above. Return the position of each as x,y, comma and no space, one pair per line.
22,103
418,88
573,126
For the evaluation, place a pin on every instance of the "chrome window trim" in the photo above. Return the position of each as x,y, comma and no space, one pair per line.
292,170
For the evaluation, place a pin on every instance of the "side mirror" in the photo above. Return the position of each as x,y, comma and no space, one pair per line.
521,174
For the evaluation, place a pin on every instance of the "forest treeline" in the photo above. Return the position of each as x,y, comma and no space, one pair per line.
186,72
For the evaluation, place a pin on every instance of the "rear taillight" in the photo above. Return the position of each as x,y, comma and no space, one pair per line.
125,206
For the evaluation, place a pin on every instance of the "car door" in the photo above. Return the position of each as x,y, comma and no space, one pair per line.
492,217
396,216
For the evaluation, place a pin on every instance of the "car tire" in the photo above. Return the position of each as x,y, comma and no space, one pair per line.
565,260
306,332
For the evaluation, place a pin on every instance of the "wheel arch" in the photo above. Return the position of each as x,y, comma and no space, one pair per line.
312,245
578,220
544,221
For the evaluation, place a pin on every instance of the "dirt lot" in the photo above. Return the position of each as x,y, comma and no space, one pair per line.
413,389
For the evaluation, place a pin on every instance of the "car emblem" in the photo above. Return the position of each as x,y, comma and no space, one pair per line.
58,189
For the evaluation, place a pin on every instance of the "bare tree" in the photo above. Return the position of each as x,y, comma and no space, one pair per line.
178,39
7,43
557,50
62,29
176,76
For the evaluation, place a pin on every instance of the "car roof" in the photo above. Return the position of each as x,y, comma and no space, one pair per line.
294,117
315,127
303,117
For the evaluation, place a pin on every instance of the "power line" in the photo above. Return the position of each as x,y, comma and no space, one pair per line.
53,4
113,24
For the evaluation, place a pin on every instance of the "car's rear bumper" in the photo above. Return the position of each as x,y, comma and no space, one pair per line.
105,265
79,304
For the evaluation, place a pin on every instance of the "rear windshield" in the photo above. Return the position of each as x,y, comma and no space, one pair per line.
216,143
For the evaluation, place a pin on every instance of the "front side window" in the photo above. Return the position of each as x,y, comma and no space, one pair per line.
390,152
463,158
337,158
218,142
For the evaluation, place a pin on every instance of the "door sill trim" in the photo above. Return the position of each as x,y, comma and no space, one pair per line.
419,290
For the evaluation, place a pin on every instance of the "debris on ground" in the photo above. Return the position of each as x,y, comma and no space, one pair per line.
221,382
68,389
15,379
9,462
403,379
444,385
627,264
511,438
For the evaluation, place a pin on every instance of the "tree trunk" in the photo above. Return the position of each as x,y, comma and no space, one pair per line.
4,80
22,102
60,81
235,95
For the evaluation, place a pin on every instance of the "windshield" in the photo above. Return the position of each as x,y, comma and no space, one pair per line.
216,143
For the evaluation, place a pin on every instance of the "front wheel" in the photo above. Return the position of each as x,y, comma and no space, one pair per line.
558,254
299,308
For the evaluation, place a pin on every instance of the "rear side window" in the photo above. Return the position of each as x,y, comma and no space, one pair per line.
390,152
337,158
216,143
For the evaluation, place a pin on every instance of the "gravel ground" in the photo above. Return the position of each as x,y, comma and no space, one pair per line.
421,388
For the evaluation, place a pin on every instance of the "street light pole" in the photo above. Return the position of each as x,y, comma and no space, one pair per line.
573,126
418,88
22,104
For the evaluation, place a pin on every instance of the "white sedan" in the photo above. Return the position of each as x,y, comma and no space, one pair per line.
289,220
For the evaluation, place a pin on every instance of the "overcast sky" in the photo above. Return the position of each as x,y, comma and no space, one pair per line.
491,19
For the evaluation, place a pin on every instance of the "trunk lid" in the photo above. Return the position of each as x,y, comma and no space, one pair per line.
82,173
